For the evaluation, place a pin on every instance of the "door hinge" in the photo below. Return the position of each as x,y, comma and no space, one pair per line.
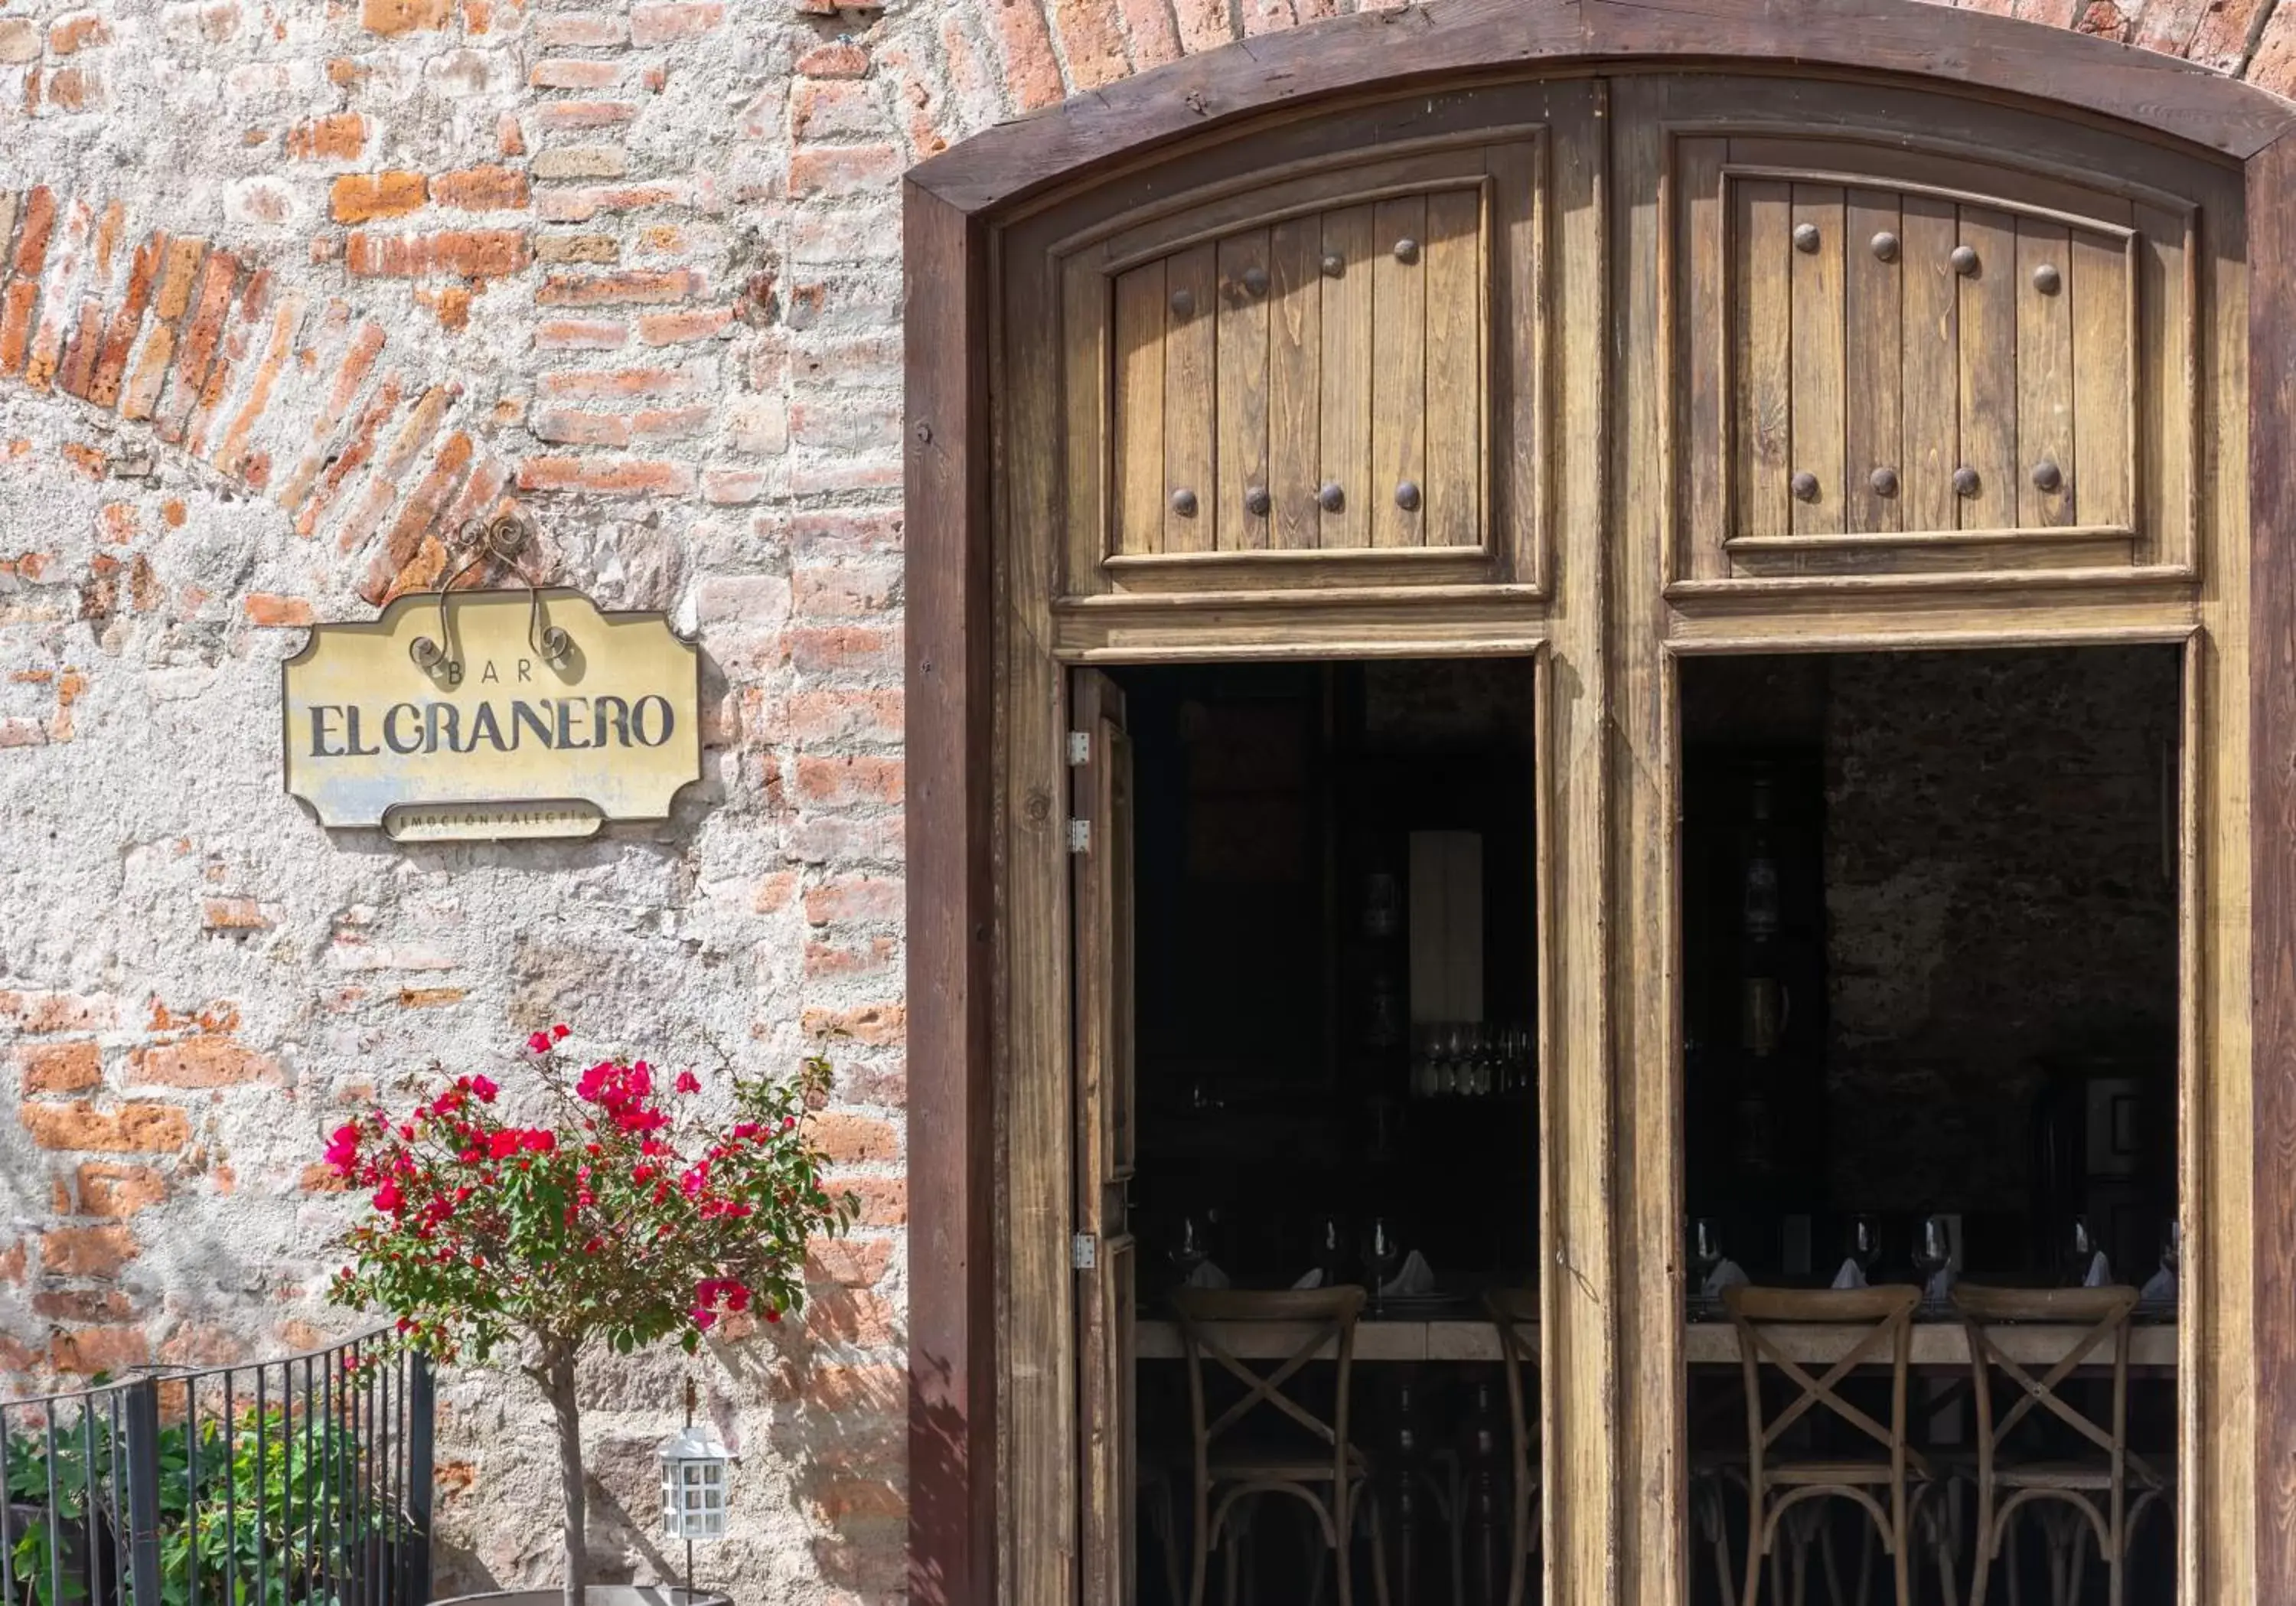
1084,1251
1079,747
1079,836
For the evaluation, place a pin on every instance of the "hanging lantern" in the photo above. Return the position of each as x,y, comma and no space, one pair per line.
693,1484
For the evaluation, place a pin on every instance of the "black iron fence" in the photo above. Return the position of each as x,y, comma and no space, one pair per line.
300,1482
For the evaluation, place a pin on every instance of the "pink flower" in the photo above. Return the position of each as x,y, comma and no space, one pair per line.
485,1089
704,1317
540,1043
389,1197
501,1145
538,1140
693,1182
342,1148
688,1082
558,1034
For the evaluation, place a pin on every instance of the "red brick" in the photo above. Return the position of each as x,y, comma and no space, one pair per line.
209,1061
836,60
232,914
563,72
732,487
848,1138
609,476
562,116
607,289
666,21
861,898
86,1251
578,30
403,16
12,1262
340,137
836,715
46,1014
884,1200
593,385
676,329
858,1263
876,1025
269,610
483,189
844,170
64,1067
488,253
845,1500
89,1350
841,782
83,1304
845,649
1031,73
872,958
855,1316
74,88
562,426
77,30
126,320
118,1191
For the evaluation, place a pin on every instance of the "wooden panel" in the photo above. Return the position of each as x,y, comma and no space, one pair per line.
1191,353
1930,363
1762,219
1295,358
1088,358
1347,378
2097,281
2045,375
1816,412
1139,453
1700,346
1244,286
2166,386
1457,395
1988,369
1523,339
1399,370
1873,285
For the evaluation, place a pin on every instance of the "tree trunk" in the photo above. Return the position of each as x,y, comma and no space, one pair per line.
558,1383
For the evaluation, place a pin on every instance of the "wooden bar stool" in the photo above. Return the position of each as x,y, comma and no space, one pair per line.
1779,1485
1514,1311
2099,1489
1288,1448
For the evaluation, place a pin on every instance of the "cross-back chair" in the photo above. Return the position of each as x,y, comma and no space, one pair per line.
2108,1487
1779,1482
1514,1311
1267,1439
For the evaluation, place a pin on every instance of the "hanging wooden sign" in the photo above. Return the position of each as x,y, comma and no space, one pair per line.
478,715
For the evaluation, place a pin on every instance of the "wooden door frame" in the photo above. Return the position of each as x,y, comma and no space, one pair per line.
953,209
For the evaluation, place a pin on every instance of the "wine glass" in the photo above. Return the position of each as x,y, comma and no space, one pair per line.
1864,1244
1705,1252
1191,1244
1932,1250
1382,1253
2080,1252
2172,1246
1331,1249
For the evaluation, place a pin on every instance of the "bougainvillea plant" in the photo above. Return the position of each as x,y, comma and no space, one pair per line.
639,1210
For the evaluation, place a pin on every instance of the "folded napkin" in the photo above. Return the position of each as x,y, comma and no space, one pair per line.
2100,1272
1311,1279
1938,1289
1728,1275
1208,1276
2160,1289
1849,1276
1414,1276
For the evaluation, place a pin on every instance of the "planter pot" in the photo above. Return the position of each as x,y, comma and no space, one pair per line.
596,1595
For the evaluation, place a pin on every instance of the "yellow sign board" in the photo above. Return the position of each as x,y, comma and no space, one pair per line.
479,715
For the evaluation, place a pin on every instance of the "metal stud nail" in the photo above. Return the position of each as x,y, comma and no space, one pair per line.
1184,502
1334,265
1183,303
1805,236
1965,481
2048,280
1964,259
1257,502
2047,477
1885,246
1255,281
1329,497
1805,486
1406,249
1884,481
1407,496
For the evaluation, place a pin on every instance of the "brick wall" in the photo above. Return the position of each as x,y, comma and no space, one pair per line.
285,291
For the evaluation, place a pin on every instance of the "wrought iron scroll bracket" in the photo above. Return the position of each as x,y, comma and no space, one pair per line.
506,539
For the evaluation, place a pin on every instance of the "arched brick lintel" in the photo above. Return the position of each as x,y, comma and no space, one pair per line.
1004,166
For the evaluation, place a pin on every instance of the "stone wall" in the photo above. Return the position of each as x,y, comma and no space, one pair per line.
1996,898
287,289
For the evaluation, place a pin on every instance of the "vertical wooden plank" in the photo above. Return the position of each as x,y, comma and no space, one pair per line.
1762,219
1398,369
2104,407
1872,287
1295,360
1190,352
1345,407
1700,346
1929,364
2045,375
1988,369
1241,456
1087,308
1457,391
952,1357
1818,337
1518,342
1140,410
2168,389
